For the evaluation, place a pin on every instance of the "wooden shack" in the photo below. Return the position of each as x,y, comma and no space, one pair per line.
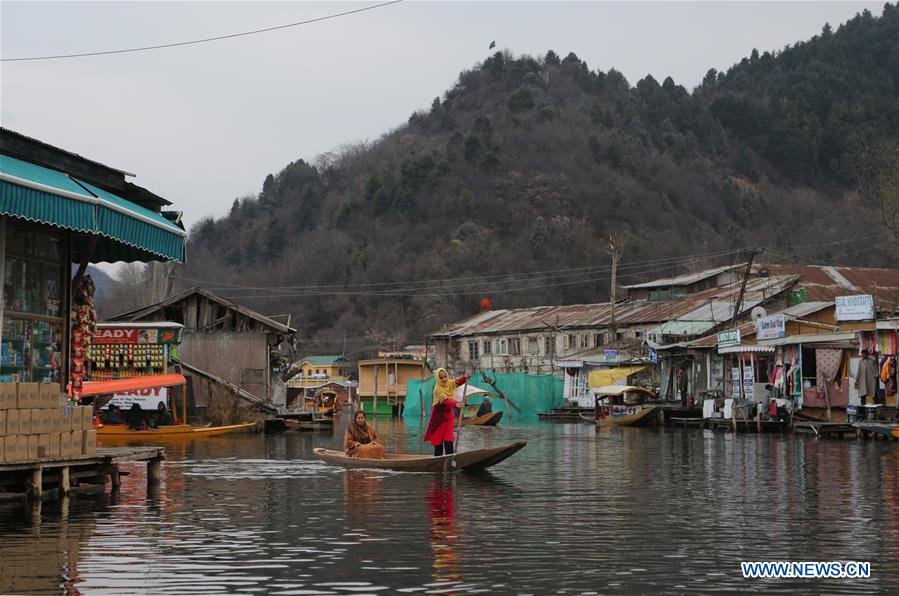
227,341
382,383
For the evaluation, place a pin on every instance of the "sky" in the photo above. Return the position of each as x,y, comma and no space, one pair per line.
204,124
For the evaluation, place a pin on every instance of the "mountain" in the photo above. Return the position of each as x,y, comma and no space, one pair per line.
527,164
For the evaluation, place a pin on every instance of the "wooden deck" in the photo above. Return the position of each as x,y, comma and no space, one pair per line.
824,430
38,477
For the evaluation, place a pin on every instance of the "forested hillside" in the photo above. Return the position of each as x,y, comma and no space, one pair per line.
527,163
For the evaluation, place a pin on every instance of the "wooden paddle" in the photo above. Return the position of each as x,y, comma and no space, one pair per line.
459,423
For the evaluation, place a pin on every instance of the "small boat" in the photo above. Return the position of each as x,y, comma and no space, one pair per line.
178,431
469,461
489,419
622,405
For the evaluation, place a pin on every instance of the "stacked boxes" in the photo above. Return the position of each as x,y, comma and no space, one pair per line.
36,422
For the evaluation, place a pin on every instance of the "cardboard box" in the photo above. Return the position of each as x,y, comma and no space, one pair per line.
10,444
25,422
37,420
48,420
65,444
68,416
89,442
2,450
8,395
62,400
56,420
2,425
87,417
54,445
12,422
77,442
48,394
32,443
43,446
28,396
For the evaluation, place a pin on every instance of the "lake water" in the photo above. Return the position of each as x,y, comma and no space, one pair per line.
578,510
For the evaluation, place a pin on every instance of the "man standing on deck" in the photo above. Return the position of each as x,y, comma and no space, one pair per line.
866,383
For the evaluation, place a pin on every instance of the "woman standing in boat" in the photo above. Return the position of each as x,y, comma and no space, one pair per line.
361,439
440,426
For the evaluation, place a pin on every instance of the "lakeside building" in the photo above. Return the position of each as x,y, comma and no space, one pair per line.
314,371
60,212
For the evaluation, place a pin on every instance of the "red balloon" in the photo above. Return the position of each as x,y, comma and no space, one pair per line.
485,303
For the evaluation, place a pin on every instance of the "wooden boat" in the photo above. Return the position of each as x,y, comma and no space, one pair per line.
490,419
623,405
469,461
163,433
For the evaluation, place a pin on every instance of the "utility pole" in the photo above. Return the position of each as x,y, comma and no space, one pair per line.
739,303
616,246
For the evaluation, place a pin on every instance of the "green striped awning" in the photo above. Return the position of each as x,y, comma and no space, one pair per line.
127,231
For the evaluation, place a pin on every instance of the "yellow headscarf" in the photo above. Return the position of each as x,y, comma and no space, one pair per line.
442,389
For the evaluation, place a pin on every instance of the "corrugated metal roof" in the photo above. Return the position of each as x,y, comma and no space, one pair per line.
824,283
715,305
684,280
681,328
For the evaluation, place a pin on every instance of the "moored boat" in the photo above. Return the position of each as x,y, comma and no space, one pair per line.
469,461
623,405
177,431
489,419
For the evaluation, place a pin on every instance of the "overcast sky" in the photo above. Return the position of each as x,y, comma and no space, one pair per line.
203,124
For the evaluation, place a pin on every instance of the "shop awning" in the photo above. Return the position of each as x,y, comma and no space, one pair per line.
128,231
132,384
601,378
747,349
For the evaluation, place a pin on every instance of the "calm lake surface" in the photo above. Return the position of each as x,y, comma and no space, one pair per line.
578,510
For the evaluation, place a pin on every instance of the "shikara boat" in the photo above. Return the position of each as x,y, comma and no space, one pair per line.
469,461
622,405
490,419
163,433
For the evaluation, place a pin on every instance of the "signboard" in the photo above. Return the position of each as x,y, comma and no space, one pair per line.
610,356
727,338
735,381
147,399
653,356
771,327
135,335
855,308
747,381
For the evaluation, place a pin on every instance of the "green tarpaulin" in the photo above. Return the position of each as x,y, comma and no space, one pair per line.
531,393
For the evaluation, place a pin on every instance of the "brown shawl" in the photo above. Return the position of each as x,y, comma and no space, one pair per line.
359,434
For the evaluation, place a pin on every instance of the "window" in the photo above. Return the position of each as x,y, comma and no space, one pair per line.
548,345
638,333
571,341
533,345
472,350
597,340
488,346
33,288
515,346
502,347
585,340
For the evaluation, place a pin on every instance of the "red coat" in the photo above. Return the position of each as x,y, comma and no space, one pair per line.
442,422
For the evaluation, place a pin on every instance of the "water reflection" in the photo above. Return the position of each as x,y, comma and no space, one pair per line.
442,532
580,509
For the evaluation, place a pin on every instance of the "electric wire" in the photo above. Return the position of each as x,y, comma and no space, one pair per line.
203,40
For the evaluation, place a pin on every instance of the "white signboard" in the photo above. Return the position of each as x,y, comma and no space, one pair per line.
747,380
729,338
147,399
855,308
772,327
735,381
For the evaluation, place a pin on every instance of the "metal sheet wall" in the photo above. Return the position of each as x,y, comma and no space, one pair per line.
227,355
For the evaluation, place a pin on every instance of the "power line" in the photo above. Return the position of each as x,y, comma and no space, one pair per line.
204,40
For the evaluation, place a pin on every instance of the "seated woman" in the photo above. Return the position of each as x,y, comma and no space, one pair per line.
163,415
136,418
113,415
361,439
485,408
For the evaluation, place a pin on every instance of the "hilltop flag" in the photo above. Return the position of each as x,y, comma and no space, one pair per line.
492,45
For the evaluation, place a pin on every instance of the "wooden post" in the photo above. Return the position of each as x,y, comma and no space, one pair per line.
374,409
154,471
64,482
115,480
35,484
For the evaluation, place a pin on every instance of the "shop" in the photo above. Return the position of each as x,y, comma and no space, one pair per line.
60,212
